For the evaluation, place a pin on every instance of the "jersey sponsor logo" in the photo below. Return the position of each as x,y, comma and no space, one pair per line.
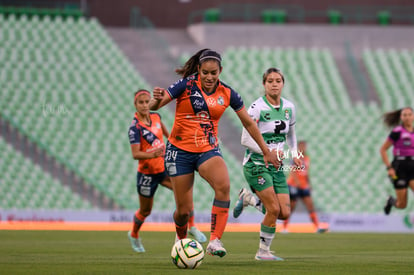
198,104
280,125
211,102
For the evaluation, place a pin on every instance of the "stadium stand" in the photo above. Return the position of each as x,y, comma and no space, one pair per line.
24,185
68,87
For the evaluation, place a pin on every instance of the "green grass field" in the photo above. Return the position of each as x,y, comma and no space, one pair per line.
84,252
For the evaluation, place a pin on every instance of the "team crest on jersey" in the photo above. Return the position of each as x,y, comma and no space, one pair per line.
158,125
287,114
220,100
261,180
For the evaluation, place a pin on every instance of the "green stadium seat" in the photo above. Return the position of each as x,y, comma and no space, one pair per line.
212,15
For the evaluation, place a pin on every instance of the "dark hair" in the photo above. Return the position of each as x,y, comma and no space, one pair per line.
392,118
198,58
138,92
272,70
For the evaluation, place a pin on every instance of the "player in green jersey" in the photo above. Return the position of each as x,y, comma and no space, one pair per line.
275,117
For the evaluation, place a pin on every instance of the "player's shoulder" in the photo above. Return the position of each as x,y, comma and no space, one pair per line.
134,122
155,114
287,103
398,128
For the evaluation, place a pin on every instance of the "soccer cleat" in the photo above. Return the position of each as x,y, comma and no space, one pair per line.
136,243
245,198
215,248
321,230
284,231
197,234
388,205
266,255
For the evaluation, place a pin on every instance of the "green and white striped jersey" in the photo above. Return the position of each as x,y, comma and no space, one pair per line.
274,125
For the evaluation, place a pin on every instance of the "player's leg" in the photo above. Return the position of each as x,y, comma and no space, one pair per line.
183,194
214,171
268,226
293,201
246,198
146,187
308,202
193,230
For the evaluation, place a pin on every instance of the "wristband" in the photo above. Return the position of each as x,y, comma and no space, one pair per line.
389,167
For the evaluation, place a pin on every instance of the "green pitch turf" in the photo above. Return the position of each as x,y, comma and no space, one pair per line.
74,252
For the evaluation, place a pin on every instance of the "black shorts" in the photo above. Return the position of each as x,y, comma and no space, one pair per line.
295,193
404,169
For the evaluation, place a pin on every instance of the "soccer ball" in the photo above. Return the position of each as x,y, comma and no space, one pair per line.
187,253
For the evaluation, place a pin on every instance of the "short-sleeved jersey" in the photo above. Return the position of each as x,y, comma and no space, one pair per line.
197,113
274,124
301,174
403,141
150,137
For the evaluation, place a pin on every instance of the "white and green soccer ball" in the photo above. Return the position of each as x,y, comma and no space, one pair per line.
187,253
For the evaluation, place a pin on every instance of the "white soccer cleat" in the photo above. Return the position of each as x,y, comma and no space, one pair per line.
136,243
266,255
197,234
215,248
245,198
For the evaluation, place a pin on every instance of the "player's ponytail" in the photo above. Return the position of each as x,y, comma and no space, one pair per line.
191,66
392,119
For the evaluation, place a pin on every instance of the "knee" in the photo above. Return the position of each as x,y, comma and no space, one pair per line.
222,190
285,214
145,212
401,204
183,214
273,210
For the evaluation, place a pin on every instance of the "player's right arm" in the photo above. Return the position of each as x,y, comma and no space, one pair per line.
159,98
139,155
254,132
383,151
135,141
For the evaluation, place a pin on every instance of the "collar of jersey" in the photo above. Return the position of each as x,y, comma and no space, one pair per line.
270,105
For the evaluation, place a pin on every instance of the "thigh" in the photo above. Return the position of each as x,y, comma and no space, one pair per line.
214,171
257,176
307,200
401,195
269,199
166,182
